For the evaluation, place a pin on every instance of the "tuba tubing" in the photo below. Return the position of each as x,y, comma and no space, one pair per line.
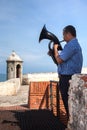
45,34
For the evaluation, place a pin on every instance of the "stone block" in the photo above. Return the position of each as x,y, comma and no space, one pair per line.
10,87
78,102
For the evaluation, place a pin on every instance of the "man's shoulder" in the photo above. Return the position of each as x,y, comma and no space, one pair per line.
73,43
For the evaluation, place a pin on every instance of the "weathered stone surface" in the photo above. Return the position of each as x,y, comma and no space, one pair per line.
10,87
78,103
27,78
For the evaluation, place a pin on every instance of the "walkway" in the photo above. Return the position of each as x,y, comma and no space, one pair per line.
15,115
29,120
19,99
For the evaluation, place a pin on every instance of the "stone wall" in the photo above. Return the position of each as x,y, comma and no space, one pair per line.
27,78
78,103
10,87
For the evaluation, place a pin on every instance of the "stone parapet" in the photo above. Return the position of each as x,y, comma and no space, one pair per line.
10,87
38,77
78,102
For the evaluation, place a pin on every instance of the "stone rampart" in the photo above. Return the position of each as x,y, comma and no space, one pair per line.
27,78
30,77
78,103
10,87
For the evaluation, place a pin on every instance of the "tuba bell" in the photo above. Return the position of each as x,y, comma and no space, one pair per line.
45,34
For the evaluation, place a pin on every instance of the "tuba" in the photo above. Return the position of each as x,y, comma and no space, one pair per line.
45,34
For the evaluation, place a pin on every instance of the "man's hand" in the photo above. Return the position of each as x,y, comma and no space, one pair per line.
49,53
56,54
55,46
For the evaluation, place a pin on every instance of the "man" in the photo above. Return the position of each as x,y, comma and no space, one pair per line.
69,60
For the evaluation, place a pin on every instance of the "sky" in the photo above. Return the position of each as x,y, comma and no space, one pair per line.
21,22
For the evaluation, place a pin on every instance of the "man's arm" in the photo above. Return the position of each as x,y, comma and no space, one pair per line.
56,54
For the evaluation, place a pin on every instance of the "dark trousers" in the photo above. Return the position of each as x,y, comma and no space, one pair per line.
64,86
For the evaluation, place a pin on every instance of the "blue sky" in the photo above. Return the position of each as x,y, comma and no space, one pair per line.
21,22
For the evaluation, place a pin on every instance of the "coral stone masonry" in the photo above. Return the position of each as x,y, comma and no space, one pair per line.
78,103
14,66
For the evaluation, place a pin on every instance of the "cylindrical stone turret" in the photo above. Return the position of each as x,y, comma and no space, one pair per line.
14,66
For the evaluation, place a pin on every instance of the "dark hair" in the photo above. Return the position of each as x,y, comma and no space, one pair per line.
70,29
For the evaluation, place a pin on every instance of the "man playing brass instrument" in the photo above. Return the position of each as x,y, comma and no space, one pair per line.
69,60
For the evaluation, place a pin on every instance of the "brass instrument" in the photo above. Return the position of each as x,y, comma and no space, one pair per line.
45,34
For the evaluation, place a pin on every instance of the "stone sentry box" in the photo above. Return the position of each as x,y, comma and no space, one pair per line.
14,67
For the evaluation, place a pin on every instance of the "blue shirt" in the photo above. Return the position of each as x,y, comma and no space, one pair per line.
72,58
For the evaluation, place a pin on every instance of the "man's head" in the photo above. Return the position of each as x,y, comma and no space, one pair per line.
69,32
